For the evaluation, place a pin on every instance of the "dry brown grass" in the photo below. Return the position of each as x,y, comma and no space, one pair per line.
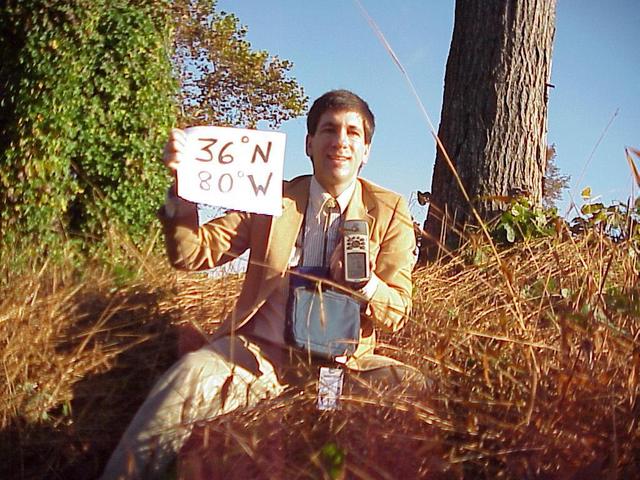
533,371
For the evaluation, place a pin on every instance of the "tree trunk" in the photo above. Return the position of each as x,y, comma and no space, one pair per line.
494,113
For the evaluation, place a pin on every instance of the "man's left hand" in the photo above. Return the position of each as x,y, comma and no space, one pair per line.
336,268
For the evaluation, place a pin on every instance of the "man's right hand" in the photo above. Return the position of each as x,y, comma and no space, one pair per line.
172,156
174,149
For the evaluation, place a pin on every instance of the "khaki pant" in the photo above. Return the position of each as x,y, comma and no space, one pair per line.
229,373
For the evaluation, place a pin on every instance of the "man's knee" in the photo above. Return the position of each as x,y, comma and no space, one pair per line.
198,366
198,359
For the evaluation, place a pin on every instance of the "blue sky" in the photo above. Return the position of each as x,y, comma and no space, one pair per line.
596,73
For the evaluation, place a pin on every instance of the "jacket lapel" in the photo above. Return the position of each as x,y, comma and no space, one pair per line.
285,228
359,207
281,240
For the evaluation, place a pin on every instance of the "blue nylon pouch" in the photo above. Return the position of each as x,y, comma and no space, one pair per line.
321,321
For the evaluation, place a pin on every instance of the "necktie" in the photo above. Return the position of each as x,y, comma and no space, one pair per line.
331,211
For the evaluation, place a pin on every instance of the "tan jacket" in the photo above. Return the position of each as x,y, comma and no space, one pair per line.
271,240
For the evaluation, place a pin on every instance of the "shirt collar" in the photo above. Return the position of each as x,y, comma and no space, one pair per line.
318,195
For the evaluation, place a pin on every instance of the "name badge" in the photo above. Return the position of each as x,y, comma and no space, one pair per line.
330,388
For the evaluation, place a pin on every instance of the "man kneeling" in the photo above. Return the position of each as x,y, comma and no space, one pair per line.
250,356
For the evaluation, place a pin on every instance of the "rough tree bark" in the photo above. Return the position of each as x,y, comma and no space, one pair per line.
494,113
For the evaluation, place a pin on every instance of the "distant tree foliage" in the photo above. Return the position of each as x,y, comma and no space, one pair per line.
554,182
224,81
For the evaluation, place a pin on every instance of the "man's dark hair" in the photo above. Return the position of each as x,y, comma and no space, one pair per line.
340,101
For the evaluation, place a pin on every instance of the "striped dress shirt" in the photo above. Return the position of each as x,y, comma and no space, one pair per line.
324,214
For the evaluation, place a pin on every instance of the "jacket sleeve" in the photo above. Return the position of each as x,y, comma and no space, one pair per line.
221,240
391,302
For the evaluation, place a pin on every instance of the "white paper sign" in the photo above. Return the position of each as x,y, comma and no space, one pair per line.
234,168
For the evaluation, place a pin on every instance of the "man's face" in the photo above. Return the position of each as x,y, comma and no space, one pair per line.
338,149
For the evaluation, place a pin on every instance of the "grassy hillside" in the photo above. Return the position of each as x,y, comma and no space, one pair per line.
532,358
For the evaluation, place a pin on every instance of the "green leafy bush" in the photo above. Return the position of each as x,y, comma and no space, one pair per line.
88,96
88,92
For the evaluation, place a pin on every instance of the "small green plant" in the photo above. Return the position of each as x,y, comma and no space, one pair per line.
332,457
618,221
623,302
524,221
